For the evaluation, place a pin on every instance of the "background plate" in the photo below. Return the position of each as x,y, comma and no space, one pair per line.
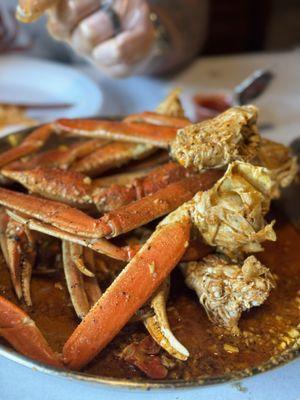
30,80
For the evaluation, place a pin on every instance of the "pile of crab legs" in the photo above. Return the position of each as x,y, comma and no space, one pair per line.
55,207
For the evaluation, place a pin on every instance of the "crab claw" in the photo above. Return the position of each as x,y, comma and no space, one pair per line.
158,325
22,333
129,291
78,259
84,290
18,248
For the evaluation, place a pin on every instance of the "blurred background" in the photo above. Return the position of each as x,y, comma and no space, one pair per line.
233,26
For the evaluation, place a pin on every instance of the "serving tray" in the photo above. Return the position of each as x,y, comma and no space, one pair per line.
289,353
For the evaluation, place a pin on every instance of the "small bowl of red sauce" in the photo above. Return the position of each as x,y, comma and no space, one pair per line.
209,105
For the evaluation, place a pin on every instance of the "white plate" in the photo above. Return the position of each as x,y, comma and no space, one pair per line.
31,80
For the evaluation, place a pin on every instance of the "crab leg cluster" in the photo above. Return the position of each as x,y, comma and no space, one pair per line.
129,291
209,190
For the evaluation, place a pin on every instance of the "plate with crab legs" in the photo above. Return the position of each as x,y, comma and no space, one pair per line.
145,250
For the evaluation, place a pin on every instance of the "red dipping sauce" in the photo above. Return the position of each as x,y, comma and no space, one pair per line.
209,105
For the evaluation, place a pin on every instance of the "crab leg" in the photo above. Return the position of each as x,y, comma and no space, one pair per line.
50,212
195,251
30,144
76,254
69,187
20,258
158,324
75,282
61,157
158,119
159,136
102,246
165,200
126,218
159,158
129,291
4,218
147,209
22,333
91,285
79,191
122,179
112,155
115,196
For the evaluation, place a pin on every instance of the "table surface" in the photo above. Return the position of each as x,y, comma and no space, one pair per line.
18,382
281,105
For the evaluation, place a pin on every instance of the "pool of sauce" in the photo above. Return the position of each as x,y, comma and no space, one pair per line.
266,331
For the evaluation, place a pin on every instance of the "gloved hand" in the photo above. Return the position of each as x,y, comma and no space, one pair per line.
117,35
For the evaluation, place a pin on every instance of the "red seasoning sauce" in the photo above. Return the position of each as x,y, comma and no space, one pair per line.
267,332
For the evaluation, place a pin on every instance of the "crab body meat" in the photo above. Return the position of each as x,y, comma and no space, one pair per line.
226,289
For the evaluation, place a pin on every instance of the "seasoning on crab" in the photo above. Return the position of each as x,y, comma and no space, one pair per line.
278,159
226,289
230,216
214,143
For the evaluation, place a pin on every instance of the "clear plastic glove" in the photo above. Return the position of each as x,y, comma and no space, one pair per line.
89,29
135,46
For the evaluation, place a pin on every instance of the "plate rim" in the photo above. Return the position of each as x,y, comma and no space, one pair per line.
64,69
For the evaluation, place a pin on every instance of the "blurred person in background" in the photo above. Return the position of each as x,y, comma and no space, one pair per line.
126,37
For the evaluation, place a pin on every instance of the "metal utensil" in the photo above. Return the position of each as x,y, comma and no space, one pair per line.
252,87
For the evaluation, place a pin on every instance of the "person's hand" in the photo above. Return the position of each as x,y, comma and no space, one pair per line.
118,35
122,36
